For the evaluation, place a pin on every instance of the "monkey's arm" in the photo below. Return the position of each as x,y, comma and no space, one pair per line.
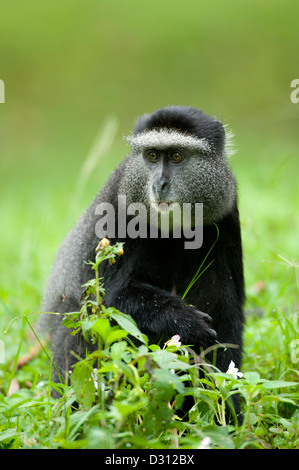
159,314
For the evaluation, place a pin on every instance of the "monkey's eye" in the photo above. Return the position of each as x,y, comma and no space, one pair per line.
176,157
152,156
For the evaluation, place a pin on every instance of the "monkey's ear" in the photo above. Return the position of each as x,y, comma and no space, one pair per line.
222,139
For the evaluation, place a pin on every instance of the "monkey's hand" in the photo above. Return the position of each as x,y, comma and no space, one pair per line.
161,315
194,327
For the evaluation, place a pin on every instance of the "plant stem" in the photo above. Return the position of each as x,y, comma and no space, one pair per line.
198,273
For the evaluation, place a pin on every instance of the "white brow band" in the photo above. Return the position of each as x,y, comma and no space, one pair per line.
164,138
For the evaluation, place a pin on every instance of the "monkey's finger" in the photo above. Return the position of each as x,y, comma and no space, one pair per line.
204,315
213,333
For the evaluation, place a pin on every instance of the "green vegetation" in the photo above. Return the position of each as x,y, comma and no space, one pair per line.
70,69
128,395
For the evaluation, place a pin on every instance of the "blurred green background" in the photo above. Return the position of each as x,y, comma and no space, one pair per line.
74,70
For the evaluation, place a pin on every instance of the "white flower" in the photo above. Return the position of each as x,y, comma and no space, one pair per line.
205,443
94,376
234,371
174,341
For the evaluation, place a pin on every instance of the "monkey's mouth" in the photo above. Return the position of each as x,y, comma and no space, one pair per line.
163,206
164,202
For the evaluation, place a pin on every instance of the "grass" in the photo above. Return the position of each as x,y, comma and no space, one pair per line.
35,218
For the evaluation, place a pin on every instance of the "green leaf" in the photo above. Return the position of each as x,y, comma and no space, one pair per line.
8,434
127,323
101,326
125,407
70,320
117,350
220,436
272,384
170,360
142,351
130,372
83,383
252,378
100,439
115,334
167,380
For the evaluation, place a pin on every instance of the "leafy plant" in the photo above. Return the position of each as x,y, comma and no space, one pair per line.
132,385
128,393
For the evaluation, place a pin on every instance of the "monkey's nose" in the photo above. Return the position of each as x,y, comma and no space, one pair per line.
161,189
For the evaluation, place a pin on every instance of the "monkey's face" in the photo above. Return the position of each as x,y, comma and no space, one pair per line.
170,167
161,178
